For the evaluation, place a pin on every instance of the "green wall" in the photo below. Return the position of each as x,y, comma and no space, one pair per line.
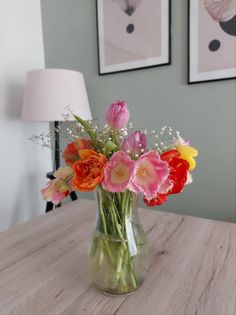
204,113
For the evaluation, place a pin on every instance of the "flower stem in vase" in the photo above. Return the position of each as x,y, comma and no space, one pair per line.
116,269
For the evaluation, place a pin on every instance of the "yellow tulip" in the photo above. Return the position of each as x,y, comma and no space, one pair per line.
188,153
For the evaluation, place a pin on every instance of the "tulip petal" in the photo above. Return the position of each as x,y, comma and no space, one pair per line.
117,172
187,150
149,174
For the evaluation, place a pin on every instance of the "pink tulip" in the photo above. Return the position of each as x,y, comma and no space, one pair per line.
117,172
166,186
135,143
56,191
117,115
60,187
63,172
149,175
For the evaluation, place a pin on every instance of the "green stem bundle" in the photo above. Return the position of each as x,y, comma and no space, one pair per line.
112,241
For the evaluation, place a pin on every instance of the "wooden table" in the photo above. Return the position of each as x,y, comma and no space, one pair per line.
43,267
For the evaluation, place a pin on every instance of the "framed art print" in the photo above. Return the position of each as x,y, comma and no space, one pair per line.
132,34
212,40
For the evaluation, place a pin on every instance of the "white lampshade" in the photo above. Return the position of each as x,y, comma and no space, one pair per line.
48,92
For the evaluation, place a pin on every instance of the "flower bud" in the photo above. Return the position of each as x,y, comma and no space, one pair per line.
117,115
135,143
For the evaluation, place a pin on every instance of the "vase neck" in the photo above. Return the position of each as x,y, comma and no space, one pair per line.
115,210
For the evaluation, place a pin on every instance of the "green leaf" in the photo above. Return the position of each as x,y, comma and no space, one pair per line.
92,135
109,147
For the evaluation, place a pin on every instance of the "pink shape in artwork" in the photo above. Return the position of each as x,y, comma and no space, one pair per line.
208,30
142,43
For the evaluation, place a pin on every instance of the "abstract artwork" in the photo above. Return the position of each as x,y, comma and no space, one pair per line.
212,40
132,34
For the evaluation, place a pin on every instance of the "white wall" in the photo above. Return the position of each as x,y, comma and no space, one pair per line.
23,164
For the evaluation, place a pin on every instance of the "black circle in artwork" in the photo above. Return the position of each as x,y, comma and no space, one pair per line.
229,27
130,28
214,45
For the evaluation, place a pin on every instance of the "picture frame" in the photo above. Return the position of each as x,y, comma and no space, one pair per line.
211,43
125,42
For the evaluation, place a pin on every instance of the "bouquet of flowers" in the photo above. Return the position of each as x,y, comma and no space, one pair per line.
118,163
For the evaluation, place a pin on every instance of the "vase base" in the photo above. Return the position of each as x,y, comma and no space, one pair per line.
114,294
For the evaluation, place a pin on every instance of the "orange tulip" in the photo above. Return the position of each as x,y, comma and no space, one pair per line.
88,171
71,153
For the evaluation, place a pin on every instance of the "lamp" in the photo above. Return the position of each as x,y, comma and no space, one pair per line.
47,93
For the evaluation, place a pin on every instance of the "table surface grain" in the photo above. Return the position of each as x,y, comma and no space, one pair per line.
43,267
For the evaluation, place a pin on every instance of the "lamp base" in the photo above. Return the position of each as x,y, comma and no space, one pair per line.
50,206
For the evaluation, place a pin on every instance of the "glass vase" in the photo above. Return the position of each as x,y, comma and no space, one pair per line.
118,253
